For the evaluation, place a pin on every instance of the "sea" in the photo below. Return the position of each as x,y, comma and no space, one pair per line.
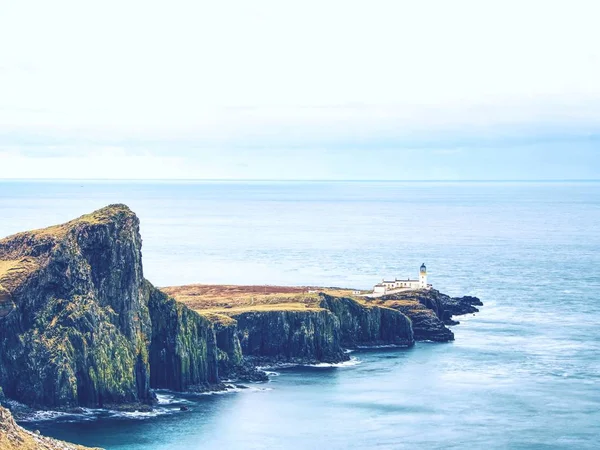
524,373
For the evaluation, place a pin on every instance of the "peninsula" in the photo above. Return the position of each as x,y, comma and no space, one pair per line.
81,326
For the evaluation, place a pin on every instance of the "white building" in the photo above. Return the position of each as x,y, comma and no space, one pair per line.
385,287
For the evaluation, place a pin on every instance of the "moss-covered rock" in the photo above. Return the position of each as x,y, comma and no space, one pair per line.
75,355
293,336
363,325
80,326
183,348
78,331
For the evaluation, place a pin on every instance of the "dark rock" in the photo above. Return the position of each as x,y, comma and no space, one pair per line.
184,408
82,326
183,347
368,325
78,333
430,311
425,312
456,306
302,337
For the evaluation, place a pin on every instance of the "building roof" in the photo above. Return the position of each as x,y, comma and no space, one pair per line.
402,281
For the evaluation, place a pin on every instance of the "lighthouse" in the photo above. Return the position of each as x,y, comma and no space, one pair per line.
423,277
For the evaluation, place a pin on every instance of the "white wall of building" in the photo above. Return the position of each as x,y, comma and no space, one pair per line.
386,286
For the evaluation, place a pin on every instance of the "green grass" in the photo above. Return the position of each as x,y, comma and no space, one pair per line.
101,216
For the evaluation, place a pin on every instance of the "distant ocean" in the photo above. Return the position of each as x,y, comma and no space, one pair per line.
524,373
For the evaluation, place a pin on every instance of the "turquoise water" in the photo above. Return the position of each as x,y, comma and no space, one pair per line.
524,373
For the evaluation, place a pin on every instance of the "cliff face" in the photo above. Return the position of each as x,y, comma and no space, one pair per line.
426,324
426,312
183,347
229,349
304,336
430,311
79,325
368,325
75,329
13,437
313,334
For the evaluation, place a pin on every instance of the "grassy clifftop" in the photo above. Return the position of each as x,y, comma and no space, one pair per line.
228,299
102,216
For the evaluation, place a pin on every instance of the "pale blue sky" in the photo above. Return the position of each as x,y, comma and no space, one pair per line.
305,90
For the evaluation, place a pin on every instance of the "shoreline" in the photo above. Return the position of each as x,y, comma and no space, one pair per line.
76,304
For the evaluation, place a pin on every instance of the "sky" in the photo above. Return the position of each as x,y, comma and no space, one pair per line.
300,90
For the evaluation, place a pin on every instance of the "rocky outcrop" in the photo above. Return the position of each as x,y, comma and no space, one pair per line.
79,325
368,325
13,437
290,336
77,334
183,346
425,322
430,311
305,334
457,306
425,310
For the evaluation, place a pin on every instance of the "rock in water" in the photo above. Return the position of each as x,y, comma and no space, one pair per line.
430,311
457,306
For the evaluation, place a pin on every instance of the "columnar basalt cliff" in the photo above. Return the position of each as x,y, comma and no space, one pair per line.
183,346
302,336
318,330
368,325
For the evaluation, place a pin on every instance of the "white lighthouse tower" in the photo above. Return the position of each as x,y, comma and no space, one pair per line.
423,277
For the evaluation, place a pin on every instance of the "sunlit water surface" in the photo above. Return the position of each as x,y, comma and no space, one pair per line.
524,373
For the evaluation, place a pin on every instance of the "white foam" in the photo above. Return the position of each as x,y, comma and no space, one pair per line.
141,415
375,347
353,362
47,415
43,416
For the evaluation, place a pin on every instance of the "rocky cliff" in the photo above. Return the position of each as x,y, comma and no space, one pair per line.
79,325
183,346
363,325
306,333
75,329
430,311
286,335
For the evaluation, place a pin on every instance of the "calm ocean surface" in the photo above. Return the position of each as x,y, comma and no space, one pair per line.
522,374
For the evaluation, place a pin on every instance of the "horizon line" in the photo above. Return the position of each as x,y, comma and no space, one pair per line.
300,180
